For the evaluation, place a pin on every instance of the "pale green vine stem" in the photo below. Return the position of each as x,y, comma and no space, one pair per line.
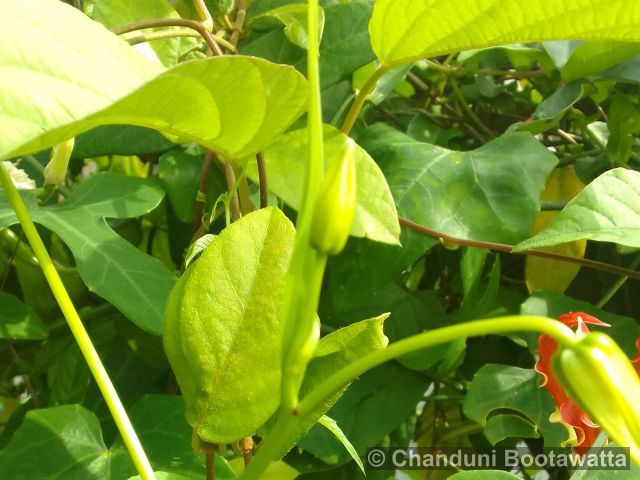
304,278
360,100
558,331
279,439
77,328
203,13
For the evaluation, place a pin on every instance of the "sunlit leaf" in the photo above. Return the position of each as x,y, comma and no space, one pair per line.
607,210
405,30
376,216
223,327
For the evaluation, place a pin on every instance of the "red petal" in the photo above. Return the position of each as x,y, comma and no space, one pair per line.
636,359
572,319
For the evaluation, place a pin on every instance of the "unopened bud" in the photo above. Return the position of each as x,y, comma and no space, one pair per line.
600,379
335,205
56,170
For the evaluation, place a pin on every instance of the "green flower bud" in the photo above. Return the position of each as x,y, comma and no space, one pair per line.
56,170
335,205
600,379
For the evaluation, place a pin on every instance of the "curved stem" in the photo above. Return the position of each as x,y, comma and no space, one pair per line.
282,433
263,180
367,88
173,22
534,252
77,328
557,330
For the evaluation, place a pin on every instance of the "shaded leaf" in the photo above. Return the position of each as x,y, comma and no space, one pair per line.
294,19
543,273
137,284
491,193
496,388
119,140
607,210
594,56
220,309
484,475
19,322
331,425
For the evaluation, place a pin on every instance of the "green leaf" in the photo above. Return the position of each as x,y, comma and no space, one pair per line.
19,322
180,175
623,124
376,217
294,19
114,13
166,437
624,330
406,30
119,140
197,247
388,393
137,284
58,443
334,352
607,210
331,425
496,388
595,56
68,376
484,475
66,443
253,99
491,193
501,427
222,308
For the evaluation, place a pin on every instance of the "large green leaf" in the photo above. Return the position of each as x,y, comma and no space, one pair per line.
223,335
376,216
334,352
66,443
499,389
491,193
114,13
19,322
595,56
388,393
233,105
59,443
137,284
607,210
406,30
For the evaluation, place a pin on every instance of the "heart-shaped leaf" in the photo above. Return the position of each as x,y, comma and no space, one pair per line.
17,321
222,333
406,30
491,193
233,105
607,210
137,284
376,216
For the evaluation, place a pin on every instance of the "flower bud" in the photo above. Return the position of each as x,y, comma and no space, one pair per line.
335,205
56,170
600,378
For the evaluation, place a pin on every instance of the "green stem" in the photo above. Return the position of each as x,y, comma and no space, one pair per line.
304,277
280,436
558,331
77,328
204,14
364,93
467,108
617,285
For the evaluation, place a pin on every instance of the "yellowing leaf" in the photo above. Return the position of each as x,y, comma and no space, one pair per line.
543,273
406,30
